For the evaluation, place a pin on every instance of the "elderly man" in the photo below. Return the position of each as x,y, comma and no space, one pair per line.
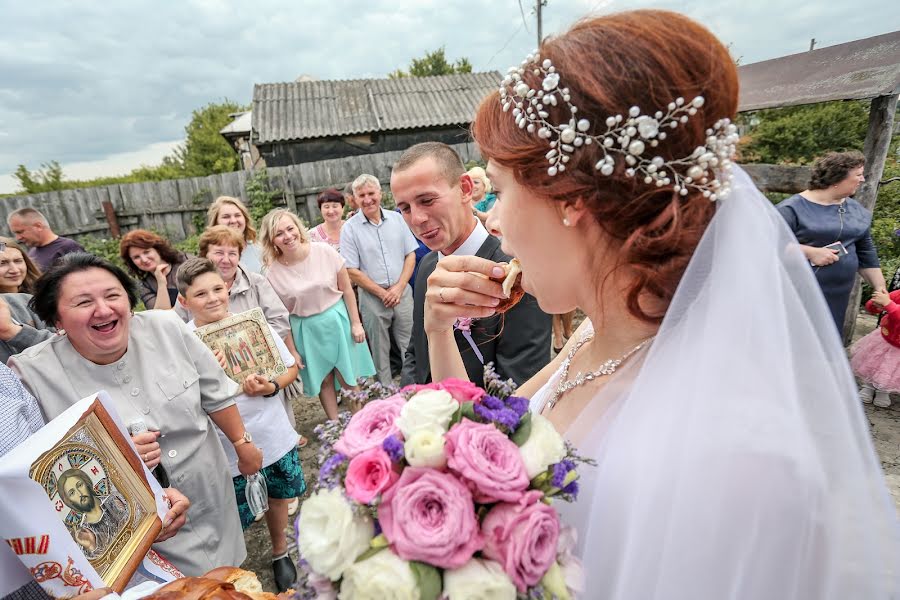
379,251
434,195
31,228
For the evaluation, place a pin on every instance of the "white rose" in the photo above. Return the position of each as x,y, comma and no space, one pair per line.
332,536
383,576
544,447
478,579
428,408
425,448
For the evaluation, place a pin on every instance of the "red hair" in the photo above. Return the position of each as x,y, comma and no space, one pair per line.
644,58
141,238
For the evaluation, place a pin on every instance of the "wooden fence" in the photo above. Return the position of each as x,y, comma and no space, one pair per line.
169,207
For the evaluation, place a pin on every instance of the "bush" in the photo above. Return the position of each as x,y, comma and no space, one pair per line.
107,248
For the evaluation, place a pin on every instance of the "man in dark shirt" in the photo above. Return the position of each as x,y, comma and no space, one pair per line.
30,227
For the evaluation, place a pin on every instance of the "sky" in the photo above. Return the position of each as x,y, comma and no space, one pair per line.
104,87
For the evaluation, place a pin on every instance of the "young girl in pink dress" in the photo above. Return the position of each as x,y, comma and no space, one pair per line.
876,357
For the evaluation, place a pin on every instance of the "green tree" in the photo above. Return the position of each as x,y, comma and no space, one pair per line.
799,134
433,63
49,178
205,151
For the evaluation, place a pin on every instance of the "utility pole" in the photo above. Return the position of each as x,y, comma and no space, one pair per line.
540,35
812,44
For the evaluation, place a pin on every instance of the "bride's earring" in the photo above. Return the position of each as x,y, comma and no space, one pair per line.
566,221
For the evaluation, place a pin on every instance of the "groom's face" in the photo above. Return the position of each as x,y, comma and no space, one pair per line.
438,212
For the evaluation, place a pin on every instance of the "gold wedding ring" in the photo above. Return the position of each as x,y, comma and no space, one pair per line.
441,295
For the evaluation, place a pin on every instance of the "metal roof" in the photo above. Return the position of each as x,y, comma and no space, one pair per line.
856,70
312,109
240,125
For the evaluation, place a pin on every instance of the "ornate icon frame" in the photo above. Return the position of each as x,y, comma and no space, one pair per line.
95,440
252,328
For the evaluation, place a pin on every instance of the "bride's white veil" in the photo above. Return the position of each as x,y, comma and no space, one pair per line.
735,460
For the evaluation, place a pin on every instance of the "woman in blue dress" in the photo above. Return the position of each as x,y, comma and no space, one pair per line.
834,230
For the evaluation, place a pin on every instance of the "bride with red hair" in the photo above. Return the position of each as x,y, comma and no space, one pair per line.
733,460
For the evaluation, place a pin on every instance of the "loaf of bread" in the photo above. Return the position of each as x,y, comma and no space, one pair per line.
197,588
223,583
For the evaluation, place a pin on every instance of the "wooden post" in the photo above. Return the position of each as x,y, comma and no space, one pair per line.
289,199
877,144
111,219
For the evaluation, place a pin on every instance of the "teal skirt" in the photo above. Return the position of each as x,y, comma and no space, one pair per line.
325,344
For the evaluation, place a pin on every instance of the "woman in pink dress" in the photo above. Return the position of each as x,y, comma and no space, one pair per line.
313,283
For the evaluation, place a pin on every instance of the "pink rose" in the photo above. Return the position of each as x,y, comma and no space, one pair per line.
522,537
487,461
369,474
370,426
462,390
429,516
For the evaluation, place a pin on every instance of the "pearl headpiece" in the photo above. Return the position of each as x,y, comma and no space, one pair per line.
631,136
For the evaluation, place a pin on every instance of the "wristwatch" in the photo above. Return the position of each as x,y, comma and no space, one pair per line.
244,439
277,388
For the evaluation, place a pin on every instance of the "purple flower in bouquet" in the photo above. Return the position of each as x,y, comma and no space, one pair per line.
487,461
393,445
429,516
523,538
560,471
500,412
329,472
370,426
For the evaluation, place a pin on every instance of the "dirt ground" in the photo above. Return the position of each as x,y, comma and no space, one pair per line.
884,423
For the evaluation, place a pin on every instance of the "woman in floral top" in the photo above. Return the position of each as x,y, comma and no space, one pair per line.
331,205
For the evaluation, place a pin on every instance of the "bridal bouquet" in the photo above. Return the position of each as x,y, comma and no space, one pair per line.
439,491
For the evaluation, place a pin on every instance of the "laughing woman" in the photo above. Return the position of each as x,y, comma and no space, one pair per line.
155,370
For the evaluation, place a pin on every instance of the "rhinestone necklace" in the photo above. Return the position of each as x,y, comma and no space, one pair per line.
607,368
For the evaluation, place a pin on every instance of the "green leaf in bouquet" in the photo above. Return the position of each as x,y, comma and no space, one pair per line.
456,418
378,543
467,411
523,431
428,579
369,553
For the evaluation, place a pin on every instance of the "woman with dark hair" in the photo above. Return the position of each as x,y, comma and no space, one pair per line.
731,460
331,205
20,327
834,230
156,371
17,271
154,262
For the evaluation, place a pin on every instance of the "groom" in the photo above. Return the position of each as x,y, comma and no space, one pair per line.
434,193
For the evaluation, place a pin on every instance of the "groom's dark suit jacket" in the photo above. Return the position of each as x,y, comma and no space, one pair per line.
518,342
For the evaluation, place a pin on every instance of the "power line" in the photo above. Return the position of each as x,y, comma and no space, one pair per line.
522,11
506,43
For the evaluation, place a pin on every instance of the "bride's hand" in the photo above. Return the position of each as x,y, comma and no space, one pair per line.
459,287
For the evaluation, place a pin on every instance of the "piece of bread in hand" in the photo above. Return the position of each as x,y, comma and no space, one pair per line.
512,286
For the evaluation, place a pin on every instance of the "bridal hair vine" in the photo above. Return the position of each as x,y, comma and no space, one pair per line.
632,136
